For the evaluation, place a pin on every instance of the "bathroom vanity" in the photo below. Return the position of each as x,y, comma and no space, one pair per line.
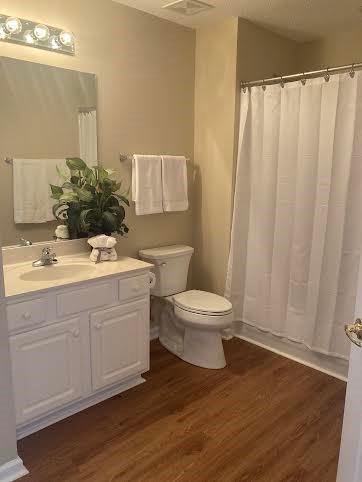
79,333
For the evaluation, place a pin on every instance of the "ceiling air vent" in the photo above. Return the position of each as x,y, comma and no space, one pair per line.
187,7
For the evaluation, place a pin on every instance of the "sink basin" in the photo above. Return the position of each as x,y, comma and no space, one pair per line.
56,272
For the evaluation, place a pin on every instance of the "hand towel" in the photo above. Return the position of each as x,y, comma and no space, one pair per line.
147,184
30,191
174,183
103,248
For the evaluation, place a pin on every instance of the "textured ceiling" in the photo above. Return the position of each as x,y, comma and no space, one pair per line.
298,19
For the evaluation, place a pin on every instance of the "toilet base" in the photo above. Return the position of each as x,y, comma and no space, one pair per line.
200,347
203,349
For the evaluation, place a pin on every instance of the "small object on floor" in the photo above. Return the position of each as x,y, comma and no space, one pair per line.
103,248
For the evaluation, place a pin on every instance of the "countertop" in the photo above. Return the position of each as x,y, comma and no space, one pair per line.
22,278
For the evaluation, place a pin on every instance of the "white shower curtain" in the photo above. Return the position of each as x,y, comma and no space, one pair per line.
88,145
297,222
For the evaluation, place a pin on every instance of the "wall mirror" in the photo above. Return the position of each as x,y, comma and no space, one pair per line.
47,115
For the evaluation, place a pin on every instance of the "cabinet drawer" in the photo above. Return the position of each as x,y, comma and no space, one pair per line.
26,314
133,287
83,299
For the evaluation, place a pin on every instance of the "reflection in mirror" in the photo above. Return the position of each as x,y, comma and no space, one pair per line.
47,114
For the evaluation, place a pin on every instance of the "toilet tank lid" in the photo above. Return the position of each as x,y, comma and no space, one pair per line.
166,252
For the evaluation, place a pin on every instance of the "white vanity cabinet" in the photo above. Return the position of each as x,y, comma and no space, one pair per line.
72,347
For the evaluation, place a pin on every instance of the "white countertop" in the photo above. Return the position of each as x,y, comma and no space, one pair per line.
22,278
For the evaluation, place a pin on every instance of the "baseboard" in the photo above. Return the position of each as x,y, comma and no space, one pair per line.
12,470
154,332
334,367
53,417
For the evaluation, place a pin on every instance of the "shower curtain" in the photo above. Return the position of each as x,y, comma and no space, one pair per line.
88,145
297,221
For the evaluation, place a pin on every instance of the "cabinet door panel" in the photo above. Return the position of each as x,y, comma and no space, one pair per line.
46,368
119,343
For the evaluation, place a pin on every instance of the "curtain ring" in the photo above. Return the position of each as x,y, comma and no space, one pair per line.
263,86
352,71
303,79
327,75
281,82
243,86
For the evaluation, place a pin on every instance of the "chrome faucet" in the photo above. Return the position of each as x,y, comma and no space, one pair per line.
25,242
47,258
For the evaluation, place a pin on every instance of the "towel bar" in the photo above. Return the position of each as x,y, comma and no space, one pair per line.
128,157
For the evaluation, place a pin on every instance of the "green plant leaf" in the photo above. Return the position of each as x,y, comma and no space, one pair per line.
76,164
59,208
109,222
115,186
56,191
83,218
69,185
84,195
102,174
69,197
61,174
122,198
89,176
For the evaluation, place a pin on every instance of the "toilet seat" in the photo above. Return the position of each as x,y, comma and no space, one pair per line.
202,303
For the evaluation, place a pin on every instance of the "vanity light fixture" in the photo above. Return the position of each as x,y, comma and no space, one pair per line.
34,34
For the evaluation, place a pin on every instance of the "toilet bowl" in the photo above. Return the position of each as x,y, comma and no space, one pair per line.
191,323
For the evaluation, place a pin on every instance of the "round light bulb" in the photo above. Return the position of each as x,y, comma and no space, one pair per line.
3,33
66,38
41,32
13,25
29,37
54,42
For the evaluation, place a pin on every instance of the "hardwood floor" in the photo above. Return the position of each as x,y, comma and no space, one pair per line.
263,418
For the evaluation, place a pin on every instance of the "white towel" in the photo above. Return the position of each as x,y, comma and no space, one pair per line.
147,184
31,190
174,183
103,248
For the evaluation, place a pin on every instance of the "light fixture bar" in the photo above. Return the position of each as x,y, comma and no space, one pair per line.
34,34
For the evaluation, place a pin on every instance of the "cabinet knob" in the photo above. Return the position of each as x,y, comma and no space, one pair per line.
98,326
75,332
26,315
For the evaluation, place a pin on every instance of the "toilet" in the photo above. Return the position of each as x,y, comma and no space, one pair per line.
191,323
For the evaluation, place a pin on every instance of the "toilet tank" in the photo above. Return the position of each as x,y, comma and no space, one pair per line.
171,268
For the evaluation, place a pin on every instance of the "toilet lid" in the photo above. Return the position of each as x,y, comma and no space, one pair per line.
203,302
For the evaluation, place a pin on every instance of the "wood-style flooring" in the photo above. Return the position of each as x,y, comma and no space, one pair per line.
263,418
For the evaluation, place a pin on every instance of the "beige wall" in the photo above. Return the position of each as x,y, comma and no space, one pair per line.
215,90
145,72
338,48
226,53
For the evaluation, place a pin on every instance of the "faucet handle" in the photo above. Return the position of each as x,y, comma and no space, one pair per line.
47,250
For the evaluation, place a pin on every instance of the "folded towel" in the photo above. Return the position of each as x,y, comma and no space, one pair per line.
103,248
147,184
174,183
31,190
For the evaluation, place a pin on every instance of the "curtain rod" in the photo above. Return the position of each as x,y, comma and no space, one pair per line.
303,76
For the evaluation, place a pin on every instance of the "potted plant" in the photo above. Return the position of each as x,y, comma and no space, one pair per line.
89,201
